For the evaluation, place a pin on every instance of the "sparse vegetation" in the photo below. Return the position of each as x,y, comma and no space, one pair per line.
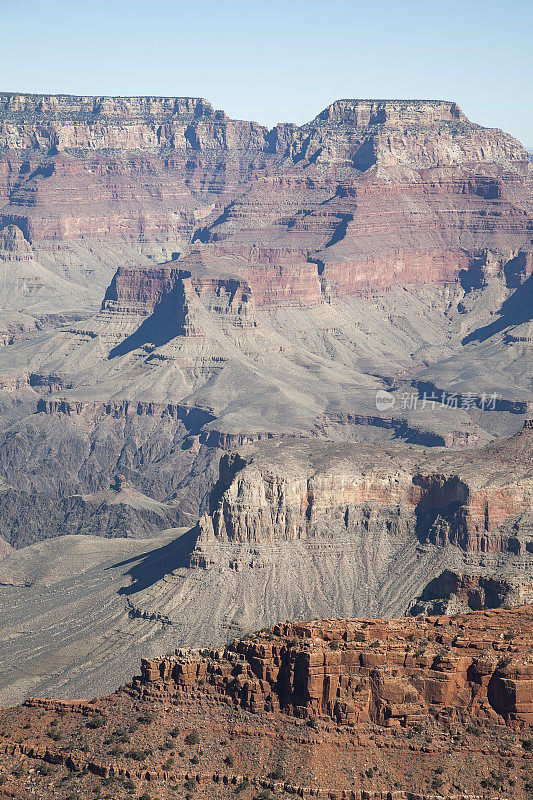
278,773
136,755
96,722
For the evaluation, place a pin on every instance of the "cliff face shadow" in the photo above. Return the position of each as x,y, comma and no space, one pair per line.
164,324
517,309
147,569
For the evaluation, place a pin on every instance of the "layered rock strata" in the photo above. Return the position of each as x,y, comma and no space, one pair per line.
348,709
480,502
476,667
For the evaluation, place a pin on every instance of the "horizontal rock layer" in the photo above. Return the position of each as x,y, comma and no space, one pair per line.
294,491
390,672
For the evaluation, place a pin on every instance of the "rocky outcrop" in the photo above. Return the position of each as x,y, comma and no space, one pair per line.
169,292
474,668
192,417
13,245
451,592
348,709
296,490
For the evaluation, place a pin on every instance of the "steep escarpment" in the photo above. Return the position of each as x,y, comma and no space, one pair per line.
361,279
353,708
275,280
289,492
293,529
361,671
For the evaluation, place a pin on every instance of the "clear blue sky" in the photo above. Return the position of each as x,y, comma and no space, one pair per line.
278,61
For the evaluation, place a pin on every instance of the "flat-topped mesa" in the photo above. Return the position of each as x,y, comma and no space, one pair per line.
390,112
282,493
418,134
174,296
49,124
476,667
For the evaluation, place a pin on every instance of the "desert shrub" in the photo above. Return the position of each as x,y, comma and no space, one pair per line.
192,738
527,744
175,732
96,722
146,719
229,760
195,760
136,755
277,773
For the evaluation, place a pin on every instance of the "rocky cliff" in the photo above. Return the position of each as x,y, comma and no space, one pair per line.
352,709
287,492
358,280
476,667
293,529
345,256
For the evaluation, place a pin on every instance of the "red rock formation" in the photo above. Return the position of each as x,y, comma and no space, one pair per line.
334,709
473,667
367,195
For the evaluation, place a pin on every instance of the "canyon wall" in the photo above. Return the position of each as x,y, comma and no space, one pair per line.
476,667
293,491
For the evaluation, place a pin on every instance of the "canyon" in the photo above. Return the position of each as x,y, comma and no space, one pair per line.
252,375
291,530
